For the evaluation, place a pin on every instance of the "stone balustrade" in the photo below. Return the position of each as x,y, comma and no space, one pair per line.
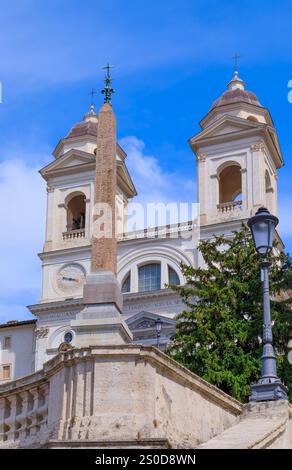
96,396
23,411
74,234
229,207
164,231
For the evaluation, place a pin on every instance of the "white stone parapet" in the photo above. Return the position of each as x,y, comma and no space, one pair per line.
226,207
97,396
158,232
132,396
24,411
74,234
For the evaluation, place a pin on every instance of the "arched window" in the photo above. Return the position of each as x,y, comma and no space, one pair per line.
76,213
230,186
126,285
149,277
173,278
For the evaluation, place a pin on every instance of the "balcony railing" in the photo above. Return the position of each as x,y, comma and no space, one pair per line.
227,207
164,231
74,234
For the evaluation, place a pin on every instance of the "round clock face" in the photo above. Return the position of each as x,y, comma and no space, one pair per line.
71,278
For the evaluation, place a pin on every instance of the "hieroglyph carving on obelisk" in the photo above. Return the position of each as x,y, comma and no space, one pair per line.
104,242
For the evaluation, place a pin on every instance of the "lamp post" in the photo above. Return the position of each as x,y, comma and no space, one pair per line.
158,326
269,387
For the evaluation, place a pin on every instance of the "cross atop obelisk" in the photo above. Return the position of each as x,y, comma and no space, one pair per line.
100,322
108,90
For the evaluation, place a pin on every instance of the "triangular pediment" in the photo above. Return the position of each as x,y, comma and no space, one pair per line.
227,124
229,127
72,158
147,320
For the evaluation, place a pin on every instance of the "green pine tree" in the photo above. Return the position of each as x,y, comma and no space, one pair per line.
218,335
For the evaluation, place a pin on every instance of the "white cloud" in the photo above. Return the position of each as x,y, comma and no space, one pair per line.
22,217
14,311
153,183
285,224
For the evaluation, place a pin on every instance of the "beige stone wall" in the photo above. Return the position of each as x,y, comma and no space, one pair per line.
130,394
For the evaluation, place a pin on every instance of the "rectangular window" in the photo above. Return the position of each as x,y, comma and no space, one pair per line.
6,372
7,342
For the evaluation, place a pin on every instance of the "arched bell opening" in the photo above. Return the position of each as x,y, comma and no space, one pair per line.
75,205
76,213
230,188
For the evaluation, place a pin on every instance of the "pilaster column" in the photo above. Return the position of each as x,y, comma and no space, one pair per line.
201,186
215,196
87,218
245,194
134,278
49,218
256,186
164,273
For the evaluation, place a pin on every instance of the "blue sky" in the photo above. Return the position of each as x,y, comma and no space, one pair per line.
172,58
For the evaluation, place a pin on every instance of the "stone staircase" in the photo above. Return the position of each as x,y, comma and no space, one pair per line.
263,425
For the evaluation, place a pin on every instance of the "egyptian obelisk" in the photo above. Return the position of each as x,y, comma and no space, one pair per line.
100,322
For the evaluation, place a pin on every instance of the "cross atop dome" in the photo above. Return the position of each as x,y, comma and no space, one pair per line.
236,82
92,93
91,116
236,93
235,58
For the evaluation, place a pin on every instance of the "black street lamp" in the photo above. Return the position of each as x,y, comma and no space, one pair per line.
269,387
158,326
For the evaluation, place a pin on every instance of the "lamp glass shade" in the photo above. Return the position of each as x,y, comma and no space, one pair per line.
263,226
158,324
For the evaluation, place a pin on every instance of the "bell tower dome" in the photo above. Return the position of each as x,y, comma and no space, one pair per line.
238,155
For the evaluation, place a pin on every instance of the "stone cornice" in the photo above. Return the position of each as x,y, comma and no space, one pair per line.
261,130
132,297
234,106
62,305
232,225
65,305
64,251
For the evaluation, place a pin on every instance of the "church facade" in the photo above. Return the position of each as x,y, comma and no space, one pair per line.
237,155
